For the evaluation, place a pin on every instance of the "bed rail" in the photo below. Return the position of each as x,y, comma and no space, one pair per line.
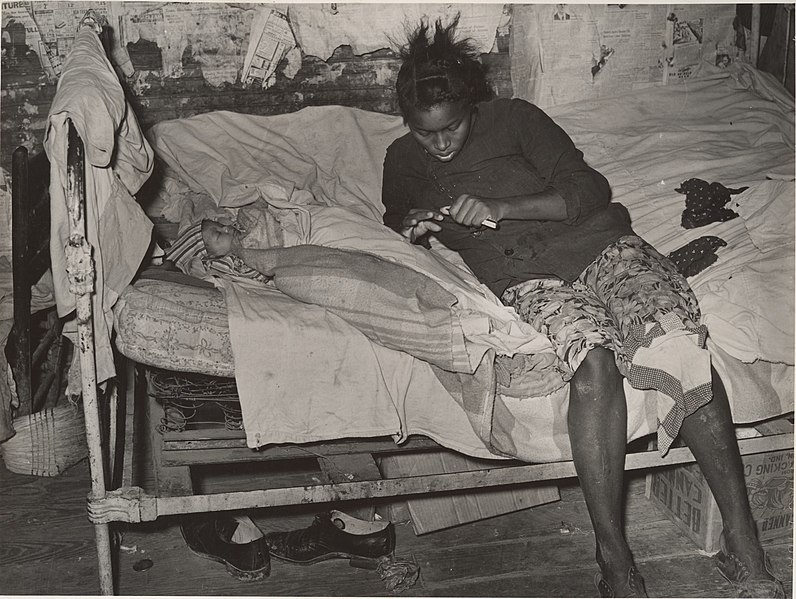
134,505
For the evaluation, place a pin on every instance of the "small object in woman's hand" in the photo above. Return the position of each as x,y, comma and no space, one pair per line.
487,222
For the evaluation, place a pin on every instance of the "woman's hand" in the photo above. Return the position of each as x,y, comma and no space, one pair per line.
471,211
419,222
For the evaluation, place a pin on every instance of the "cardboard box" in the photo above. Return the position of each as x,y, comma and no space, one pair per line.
682,494
435,512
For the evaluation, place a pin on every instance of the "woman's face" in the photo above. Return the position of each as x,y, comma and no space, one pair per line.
442,130
217,238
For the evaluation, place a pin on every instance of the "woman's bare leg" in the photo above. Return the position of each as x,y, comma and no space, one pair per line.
597,421
710,434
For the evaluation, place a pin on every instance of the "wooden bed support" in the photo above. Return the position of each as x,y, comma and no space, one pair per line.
754,43
80,270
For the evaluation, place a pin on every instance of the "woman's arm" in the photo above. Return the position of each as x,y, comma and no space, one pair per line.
573,189
471,210
552,152
393,198
413,223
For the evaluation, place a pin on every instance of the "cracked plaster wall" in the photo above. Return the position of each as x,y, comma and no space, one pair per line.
179,59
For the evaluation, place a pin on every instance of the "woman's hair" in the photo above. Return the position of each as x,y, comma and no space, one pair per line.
443,70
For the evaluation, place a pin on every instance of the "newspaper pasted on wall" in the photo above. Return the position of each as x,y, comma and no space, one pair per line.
567,52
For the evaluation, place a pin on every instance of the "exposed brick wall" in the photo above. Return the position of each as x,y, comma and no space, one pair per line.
25,99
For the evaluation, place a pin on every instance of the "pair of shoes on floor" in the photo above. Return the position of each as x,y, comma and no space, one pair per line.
737,573
332,535
213,537
633,586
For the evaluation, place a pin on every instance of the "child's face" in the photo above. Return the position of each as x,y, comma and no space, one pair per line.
217,238
443,130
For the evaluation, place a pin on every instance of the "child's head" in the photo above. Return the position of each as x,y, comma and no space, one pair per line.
438,85
206,239
211,242
218,238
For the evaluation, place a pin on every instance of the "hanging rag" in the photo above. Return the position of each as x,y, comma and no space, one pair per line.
119,160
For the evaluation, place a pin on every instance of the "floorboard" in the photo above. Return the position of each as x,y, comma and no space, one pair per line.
47,548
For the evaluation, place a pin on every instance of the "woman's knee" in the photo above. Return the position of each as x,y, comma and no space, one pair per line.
598,376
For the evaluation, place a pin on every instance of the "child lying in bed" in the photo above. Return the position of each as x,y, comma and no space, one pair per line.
206,246
260,225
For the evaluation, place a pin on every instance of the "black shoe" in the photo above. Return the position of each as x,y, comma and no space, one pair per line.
212,538
633,587
335,535
737,573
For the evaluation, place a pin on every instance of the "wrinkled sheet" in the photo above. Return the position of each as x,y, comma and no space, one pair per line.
342,384
359,375
392,305
735,128
731,302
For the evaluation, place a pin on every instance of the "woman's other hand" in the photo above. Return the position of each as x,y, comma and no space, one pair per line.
419,222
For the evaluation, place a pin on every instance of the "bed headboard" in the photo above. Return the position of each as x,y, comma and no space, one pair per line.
31,216
30,250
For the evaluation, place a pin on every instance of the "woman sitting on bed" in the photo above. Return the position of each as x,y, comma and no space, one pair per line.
568,261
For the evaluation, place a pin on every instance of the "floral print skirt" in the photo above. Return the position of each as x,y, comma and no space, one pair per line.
629,300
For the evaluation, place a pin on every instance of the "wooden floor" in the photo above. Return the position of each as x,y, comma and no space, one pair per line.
47,548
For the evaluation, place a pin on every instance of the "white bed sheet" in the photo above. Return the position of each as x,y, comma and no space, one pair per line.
735,129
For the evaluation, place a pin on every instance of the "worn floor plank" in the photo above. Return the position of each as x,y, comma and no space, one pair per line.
47,547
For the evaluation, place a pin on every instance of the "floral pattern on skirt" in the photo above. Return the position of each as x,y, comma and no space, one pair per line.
628,286
629,298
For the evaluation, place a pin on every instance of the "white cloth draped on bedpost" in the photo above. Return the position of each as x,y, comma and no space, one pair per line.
118,162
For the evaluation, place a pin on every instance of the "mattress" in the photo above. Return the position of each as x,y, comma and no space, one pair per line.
175,326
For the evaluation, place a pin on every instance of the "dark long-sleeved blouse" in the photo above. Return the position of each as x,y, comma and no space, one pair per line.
513,149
